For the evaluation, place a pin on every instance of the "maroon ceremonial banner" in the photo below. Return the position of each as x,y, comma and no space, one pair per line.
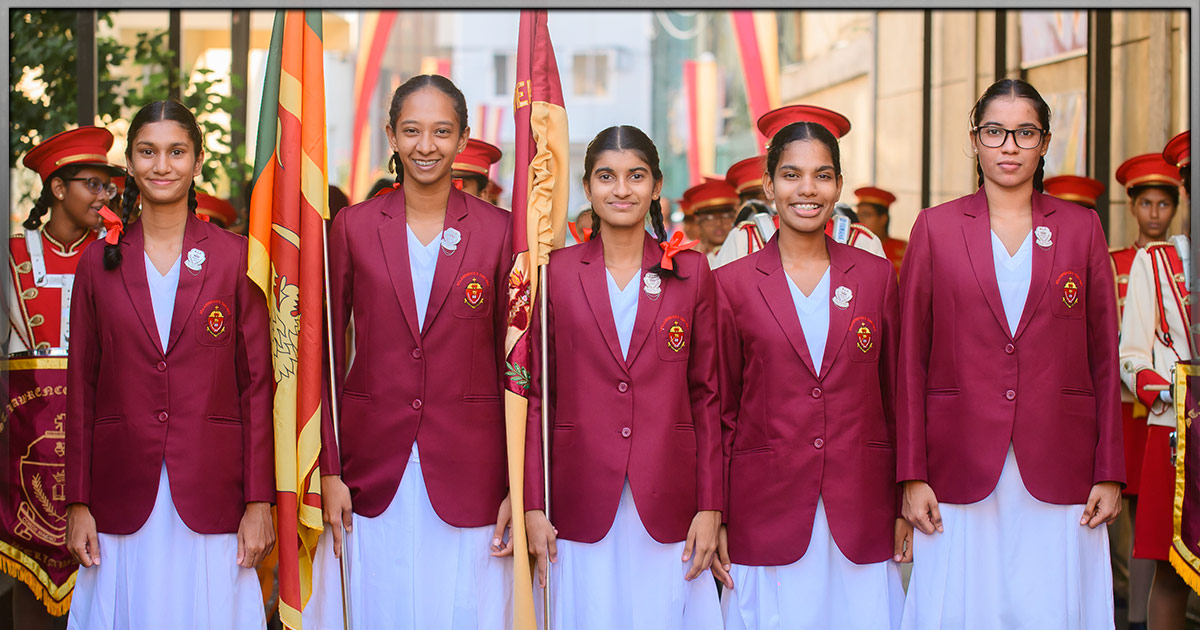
1185,547
33,506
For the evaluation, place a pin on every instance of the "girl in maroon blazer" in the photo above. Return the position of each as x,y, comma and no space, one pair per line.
420,478
635,480
808,330
1008,406
170,467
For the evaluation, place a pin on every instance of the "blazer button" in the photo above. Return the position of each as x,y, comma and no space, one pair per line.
816,392
1010,394
162,366
1009,349
819,443
162,416
626,432
416,403
416,353
622,387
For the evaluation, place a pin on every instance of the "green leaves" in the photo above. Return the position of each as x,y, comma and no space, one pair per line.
44,90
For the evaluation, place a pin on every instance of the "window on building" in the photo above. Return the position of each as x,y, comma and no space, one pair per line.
591,74
504,69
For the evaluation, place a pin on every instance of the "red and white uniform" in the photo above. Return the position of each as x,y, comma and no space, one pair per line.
1133,412
41,277
745,239
1154,336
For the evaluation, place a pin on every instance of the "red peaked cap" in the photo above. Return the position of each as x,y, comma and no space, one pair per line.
478,157
746,174
771,122
215,208
1148,168
1082,190
82,145
877,196
1179,150
713,192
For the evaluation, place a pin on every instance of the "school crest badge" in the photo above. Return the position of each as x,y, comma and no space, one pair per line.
1070,284
676,329
474,287
216,312
864,333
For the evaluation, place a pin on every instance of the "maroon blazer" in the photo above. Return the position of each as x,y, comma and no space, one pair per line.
652,417
439,386
791,434
967,387
202,405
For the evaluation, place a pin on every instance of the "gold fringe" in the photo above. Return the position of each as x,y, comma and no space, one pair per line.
19,571
1185,570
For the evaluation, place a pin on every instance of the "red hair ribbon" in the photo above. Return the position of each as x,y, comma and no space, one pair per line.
580,238
672,247
203,217
113,224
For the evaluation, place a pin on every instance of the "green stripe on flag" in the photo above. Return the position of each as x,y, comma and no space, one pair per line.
268,112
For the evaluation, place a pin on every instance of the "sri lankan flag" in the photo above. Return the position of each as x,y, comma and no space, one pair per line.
288,207
539,209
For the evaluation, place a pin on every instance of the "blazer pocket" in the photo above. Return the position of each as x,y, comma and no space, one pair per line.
1075,391
673,336
942,391
863,338
107,419
753,450
225,420
1067,295
562,436
877,444
685,436
352,395
471,296
481,399
215,323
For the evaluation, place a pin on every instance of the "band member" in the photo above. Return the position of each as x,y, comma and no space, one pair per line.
874,205
76,184
713,202
808,330
472,166
170,466
635,477
1084,191
1008,352
1154,335
77,181
492,193
419,477
746,177
215,210
690,224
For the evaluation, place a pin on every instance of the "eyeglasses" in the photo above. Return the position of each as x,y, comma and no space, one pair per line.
95,186
994,137
705,217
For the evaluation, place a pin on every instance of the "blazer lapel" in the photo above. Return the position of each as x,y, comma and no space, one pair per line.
448,265
133,274
778,296
595,291
190,282
839,318
1043,261
647,309
977,231
393,236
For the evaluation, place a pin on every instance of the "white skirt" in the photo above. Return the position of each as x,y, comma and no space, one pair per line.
1010,562
628,581
820,591
165,575
409,569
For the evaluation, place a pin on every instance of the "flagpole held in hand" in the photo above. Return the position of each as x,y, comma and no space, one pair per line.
337,439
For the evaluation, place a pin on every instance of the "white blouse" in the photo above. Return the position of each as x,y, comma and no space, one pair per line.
162,296
813,311
1013,274
624,307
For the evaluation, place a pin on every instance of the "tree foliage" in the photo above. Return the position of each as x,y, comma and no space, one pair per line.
42,58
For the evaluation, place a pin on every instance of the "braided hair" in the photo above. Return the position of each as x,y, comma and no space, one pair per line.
1014,88
420,81
630,138
46,200
157,111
